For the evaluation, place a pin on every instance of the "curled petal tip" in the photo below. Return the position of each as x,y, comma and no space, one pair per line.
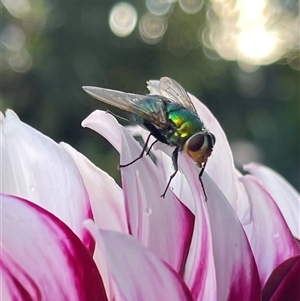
10,112
153,87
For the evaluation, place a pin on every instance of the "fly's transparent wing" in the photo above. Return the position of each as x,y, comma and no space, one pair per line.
175,93
130,102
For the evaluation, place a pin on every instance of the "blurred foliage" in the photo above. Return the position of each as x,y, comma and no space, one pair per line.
70,44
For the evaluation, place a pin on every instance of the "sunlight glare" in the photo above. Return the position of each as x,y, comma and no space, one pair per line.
256,32
256,43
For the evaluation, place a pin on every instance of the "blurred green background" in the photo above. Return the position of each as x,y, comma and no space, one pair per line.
241,58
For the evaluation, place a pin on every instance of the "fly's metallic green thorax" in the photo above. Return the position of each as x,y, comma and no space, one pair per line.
179,123
187,124
170,117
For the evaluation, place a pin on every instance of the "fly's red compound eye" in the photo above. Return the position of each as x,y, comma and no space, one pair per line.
196,142
212,140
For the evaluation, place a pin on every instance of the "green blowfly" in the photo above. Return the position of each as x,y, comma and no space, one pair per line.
170,117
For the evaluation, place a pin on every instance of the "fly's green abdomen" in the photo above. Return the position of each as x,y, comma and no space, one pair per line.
186,121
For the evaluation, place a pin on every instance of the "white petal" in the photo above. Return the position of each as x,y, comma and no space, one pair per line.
285,196
106,196
36,168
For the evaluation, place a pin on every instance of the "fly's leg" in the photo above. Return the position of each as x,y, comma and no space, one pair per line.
148,151
200,174
175,163
142,153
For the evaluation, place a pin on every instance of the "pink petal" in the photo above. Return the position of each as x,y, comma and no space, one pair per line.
105,195
136,272
277,243
43,258
37,168
199,273
231,273
200,269
283,284
285,196
179,184
163,225
236,271
220,166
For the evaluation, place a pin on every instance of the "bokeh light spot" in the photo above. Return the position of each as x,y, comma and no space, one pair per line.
158,7
152,28
13,38
19,61
122,19
17,8
191,6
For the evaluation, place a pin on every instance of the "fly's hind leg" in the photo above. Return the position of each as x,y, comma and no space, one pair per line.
175,164
141,155
117,116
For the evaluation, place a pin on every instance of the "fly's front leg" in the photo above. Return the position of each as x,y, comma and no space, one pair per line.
175,164
200,175
148,151
141,155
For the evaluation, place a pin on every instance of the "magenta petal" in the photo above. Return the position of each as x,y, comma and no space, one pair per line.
137,274
285,196
16,284
277,243
283,283
236,271
46,259
163,225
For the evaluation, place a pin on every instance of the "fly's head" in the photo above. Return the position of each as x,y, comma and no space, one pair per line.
199,147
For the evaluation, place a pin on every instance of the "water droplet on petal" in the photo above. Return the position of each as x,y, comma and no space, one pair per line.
148,211
32,188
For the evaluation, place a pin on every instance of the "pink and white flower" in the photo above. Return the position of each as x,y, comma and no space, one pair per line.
239,245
